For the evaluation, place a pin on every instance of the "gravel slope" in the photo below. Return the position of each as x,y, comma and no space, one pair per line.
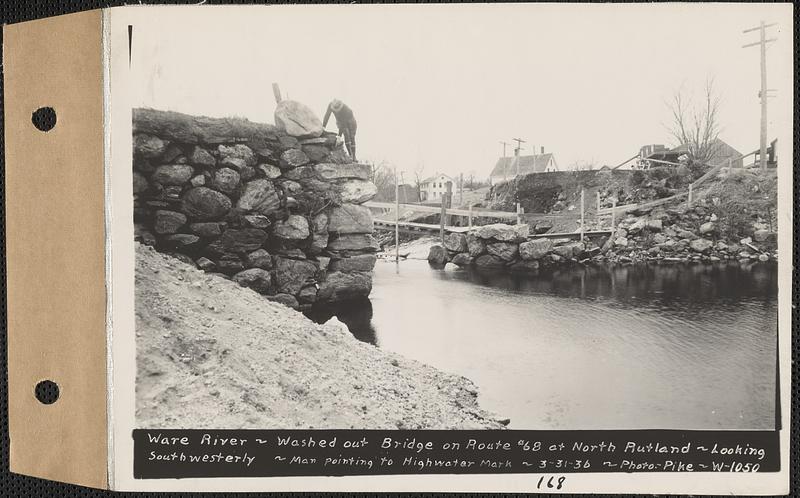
211,354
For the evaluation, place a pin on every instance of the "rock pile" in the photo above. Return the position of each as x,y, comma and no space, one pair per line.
507,247
664,235
681,233
274,208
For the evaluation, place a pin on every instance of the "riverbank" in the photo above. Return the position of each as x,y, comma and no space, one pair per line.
212,354
733,219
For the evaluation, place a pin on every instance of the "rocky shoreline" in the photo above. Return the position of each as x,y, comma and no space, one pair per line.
662,235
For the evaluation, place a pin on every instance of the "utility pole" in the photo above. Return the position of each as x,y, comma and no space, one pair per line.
505,170
516,151
762,28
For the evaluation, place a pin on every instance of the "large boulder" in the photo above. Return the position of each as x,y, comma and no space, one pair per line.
357,191
360,262
291,275
201,157
570,250
236,156
307,294
334,172
503,232
701,245
297,119
226,180
295,227
504,250
167,222
350,218
462,259
208,229
270,171
204,204
259,258
293,158
259,196
489,261
173,174
148,146
255,278
354,242
637,226
475,245
343,286
707,228
139,183
437,255
316,152
239,240
456,242
179,241
230,264
535,249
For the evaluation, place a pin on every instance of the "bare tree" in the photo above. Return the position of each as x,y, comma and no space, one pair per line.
419,177
696,125
382,175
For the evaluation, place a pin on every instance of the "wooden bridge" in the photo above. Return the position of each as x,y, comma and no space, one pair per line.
388,210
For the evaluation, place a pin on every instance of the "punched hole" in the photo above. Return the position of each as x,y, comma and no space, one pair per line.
47,392
44,118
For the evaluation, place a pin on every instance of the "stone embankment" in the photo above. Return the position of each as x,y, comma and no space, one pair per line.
661,235
276,208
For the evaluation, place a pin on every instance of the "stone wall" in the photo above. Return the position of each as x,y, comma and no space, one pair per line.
275,208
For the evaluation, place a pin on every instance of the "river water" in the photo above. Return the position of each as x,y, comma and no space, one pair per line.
683,346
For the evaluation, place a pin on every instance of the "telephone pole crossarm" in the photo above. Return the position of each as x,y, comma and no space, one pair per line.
763,94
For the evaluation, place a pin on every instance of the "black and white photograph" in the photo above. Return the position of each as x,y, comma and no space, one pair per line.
499,217
443,248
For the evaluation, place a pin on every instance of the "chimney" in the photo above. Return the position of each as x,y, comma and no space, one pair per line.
542,150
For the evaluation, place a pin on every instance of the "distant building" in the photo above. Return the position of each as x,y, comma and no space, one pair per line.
506,167
432,188
722,152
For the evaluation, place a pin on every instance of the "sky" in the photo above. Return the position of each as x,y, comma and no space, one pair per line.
437,87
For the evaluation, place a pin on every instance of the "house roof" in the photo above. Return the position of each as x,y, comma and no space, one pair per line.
435,177
527,164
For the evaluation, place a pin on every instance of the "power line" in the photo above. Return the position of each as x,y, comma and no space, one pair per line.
764,93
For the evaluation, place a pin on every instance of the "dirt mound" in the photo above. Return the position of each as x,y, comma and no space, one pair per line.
211,354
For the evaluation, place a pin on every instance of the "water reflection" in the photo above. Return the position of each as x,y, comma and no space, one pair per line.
683,346
357,315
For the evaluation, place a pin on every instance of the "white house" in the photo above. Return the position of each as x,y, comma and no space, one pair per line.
432,188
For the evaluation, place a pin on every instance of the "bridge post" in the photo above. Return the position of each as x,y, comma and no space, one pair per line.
443,214
690,196
613,216
598,201
583,212
519,218
470,217
396,217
